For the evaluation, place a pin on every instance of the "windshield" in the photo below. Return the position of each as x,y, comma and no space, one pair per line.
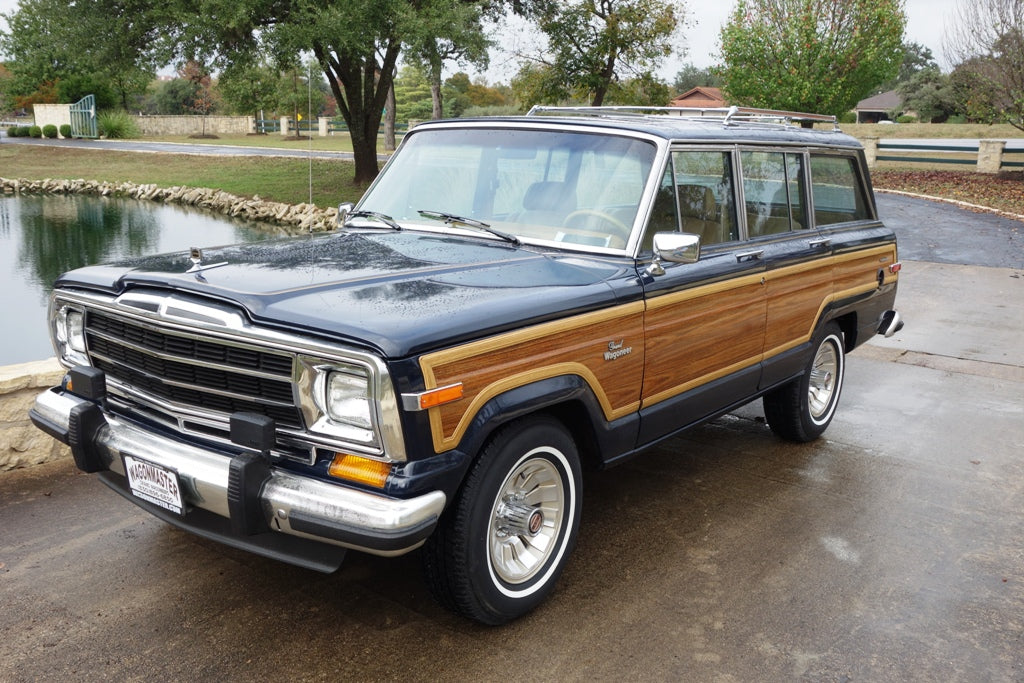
574,188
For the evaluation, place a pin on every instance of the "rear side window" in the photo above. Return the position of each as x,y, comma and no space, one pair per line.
837,190
773,190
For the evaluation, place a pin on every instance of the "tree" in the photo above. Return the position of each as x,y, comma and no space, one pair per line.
356,44
110,41
988,41
929,92
819,56
249,88
593,42
447,30
690,77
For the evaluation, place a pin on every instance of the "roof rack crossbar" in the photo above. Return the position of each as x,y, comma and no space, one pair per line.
728,115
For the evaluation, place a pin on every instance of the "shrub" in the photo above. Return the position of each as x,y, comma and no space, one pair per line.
65,130
35,132
13,132
49,131
906,119
118,125
848,117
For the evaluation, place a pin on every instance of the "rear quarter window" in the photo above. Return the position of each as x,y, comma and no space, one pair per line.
837,191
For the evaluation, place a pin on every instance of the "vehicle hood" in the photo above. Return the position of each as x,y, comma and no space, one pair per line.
399,293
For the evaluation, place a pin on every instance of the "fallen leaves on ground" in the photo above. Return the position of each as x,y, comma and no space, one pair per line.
1004,191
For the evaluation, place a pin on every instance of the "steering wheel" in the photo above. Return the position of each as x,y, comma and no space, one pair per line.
608,218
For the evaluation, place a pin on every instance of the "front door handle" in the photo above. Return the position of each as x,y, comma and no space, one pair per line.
820,242
750,255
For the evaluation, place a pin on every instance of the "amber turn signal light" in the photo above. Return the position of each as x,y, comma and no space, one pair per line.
359,469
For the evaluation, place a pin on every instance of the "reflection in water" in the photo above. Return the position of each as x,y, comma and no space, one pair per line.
44,236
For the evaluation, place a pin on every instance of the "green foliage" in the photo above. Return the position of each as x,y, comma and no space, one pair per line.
690,77
592,43
916,58
930,93
112,42
445,31
14,132
906,118
819,56
74,87
643,91
117,125
35,132
500,110
65,130
988,82
847,117
249,88
50,131
412,94
461,95
173,97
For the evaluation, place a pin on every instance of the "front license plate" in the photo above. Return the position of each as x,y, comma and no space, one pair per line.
154,483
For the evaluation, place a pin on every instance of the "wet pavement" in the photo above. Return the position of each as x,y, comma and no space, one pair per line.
890,549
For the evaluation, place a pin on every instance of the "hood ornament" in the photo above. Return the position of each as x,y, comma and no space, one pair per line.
195,254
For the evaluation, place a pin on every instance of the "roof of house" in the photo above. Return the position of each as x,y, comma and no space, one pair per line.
699,97
883,102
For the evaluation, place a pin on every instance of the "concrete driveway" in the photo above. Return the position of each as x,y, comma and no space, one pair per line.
892,549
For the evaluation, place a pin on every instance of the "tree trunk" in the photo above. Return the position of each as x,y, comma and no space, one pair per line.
360,87
389,121
435,86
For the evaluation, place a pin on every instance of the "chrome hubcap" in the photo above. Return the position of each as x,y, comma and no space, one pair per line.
526,520
822,385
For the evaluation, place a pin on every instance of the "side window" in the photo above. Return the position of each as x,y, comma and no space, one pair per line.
773,189
837,190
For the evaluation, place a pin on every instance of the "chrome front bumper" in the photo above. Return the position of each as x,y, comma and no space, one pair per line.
313,511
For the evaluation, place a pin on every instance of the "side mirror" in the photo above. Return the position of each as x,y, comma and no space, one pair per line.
674,247
344,209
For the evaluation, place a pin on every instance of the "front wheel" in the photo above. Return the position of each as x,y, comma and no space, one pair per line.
802,409
502,545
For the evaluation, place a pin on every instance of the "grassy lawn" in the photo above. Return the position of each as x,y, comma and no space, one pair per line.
331,143
276,179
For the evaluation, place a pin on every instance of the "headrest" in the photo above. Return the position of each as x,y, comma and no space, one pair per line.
549,196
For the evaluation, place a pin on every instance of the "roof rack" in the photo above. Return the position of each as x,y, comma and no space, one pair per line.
728,115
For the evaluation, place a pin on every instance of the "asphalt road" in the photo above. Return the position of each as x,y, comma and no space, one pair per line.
892,549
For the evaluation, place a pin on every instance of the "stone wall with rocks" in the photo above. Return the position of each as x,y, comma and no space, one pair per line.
21,443
294,217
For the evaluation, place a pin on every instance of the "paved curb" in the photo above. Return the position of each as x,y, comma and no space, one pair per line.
955,202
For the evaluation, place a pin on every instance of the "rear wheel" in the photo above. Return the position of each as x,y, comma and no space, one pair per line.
802,409
502,545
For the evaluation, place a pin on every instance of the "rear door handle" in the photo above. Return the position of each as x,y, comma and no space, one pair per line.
820,242
750,255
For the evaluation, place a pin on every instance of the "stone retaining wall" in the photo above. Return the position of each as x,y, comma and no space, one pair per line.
21,443
295,217
194,125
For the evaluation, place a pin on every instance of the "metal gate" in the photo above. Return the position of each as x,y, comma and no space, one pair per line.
83,118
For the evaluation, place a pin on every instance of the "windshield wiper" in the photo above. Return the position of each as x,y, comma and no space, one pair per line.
375,215
452,219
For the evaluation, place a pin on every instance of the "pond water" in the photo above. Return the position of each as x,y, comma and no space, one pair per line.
43,236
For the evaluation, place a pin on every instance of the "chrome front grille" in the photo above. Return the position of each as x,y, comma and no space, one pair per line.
180,372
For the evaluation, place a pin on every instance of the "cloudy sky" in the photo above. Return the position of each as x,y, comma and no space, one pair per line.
926,21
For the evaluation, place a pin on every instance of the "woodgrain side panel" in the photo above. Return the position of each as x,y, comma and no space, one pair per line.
574,346
796,296
858,271
701,334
